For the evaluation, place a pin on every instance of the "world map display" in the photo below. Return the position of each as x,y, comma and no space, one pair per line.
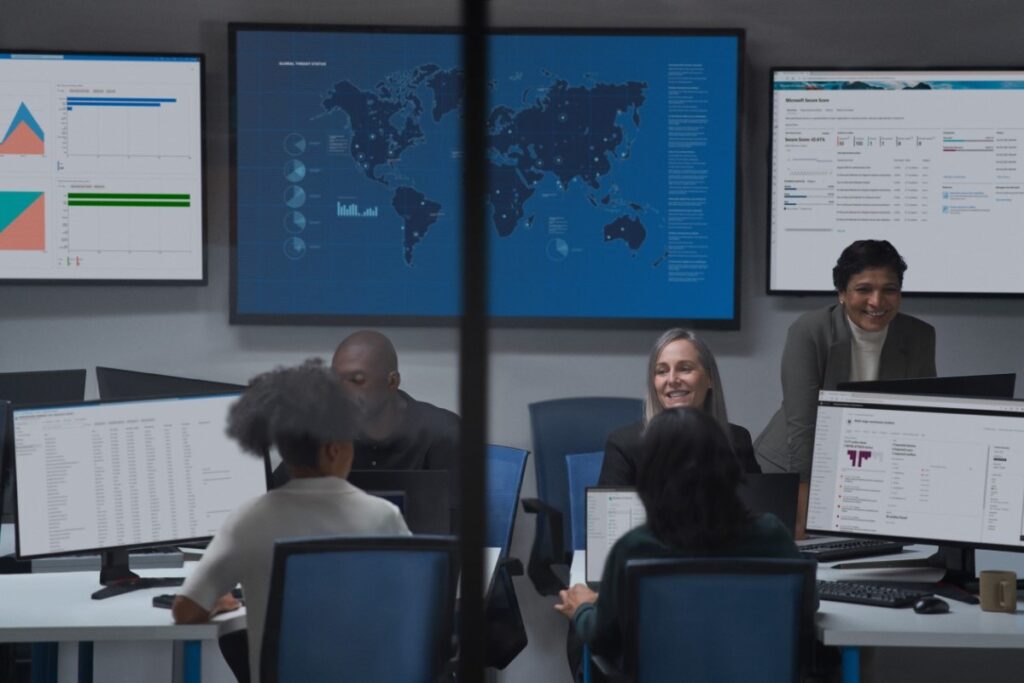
611,182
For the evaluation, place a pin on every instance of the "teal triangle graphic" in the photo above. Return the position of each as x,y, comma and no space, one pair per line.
13,204
25,115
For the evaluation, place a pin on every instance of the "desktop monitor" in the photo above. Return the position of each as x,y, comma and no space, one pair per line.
101,167
43,386
6,450
925,469
614,196
109,476
421,495
116,384
28,388
976,386
921,157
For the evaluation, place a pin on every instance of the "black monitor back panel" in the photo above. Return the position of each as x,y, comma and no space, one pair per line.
423,495
999,385
42,387
25,389
116,384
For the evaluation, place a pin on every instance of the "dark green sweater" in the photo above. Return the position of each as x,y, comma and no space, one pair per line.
600,624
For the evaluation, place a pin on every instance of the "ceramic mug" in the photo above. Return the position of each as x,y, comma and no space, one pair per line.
997,591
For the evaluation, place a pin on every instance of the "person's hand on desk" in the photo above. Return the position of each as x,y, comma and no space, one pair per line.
187,611
572,598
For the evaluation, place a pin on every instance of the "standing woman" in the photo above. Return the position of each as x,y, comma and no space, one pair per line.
863,337
681,373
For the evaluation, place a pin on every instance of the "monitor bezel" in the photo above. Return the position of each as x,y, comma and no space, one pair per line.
536,322
770,180
105,549
966,545
204,246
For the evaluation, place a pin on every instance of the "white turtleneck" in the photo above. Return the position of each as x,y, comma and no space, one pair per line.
865,352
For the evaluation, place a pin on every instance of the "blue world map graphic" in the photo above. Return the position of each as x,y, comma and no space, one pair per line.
569,132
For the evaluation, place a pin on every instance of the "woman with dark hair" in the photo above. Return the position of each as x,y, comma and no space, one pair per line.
681,372
863,337
688,485
306,413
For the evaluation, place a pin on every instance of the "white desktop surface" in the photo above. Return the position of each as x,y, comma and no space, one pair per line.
58,607
846,624
132,640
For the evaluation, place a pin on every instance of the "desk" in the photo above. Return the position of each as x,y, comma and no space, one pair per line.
133,641
851,627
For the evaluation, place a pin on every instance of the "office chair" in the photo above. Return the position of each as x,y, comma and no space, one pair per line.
360,609
583,470
505,469
506,632
560,427
717,620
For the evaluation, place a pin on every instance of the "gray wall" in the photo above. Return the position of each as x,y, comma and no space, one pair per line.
184,330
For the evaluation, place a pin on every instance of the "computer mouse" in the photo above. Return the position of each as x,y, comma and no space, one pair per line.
931,604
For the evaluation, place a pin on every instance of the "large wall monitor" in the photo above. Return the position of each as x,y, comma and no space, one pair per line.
101,167
920,468
106,476
613,181
928,159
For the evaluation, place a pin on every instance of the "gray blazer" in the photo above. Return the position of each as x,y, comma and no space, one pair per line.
816,357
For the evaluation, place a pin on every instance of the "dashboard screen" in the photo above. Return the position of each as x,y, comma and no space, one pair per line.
929,160
101,167
613,182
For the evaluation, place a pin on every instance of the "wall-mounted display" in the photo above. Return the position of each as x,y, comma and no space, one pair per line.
101,168
927,159
613,195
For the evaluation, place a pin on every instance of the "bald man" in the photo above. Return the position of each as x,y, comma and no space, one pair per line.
399,432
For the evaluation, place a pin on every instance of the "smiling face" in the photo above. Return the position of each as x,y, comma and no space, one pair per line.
872,298
679,378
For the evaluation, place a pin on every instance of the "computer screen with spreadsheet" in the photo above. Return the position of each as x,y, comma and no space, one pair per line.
99,476
921,468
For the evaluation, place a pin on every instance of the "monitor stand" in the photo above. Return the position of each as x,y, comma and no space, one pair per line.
958,563
117,578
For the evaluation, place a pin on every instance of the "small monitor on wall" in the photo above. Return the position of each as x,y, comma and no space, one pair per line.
101,167
613,193
928,159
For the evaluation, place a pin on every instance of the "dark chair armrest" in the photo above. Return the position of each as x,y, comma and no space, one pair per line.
548,549
611,673
512,565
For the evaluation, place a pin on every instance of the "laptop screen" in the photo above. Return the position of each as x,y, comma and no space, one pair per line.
611,512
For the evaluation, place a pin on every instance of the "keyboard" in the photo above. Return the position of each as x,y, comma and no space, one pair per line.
848,548
869,593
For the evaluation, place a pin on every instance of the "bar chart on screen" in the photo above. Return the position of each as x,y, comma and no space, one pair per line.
136,222
101,167
121,122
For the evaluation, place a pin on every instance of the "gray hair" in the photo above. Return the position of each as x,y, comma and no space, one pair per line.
297,409
714,402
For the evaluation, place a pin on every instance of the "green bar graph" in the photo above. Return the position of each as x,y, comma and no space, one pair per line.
117,203
129,199
108,195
